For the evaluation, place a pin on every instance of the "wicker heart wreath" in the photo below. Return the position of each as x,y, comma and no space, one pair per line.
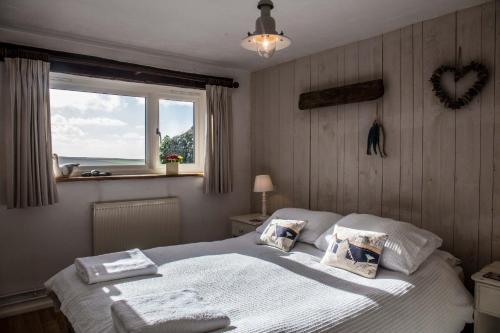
457,103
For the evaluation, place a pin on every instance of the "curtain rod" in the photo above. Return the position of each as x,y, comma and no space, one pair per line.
79,64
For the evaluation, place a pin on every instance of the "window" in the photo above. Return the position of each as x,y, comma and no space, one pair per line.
95,129
124,127
177,128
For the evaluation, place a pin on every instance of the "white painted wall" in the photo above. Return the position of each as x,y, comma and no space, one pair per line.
35,243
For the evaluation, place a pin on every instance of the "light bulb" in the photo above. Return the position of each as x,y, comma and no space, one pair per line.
266,46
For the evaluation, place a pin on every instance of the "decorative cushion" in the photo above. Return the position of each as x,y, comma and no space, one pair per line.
317,221
407,246
282,234
355,251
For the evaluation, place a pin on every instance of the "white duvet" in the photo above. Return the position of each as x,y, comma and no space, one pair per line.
263,289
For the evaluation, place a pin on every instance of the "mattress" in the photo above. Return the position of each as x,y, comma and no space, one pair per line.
263,289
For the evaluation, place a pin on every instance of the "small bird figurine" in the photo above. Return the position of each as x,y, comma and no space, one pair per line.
64,170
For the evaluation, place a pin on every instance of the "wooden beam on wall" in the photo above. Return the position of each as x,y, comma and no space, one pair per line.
353,93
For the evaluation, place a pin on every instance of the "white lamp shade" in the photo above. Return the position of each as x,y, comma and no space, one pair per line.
263,183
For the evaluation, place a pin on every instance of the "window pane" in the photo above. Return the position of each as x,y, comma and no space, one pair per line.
98,129
177,129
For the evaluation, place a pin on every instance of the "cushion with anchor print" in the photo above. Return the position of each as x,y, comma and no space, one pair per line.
355,251
282,234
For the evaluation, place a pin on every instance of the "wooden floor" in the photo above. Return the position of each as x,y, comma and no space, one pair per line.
41,321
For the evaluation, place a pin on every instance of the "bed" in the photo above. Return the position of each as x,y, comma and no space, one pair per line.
263,289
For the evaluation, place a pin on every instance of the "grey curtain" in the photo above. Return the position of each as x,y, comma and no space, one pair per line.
218,159
28,147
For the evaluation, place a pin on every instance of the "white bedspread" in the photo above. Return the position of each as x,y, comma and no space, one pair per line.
263,289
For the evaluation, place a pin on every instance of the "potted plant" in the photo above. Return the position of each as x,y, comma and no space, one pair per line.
172,162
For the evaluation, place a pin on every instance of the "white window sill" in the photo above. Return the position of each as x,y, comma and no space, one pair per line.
125,177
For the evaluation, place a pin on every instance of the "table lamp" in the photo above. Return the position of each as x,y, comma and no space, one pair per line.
263,184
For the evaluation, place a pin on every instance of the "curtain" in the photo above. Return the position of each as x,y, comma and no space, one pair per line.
218,160
28,147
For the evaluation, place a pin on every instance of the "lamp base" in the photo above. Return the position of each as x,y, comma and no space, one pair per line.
264,208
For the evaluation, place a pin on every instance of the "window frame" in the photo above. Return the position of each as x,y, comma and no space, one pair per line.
152,93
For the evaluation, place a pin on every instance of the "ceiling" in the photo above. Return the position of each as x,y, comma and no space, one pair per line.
211,30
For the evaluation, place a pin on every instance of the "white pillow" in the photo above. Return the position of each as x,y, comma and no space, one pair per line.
323,240
449,258
317,221
406,248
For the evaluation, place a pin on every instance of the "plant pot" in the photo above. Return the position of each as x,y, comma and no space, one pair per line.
172,168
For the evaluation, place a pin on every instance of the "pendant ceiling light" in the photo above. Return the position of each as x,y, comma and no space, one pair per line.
265,39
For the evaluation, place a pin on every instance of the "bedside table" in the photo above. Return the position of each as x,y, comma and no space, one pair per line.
244,224
486,300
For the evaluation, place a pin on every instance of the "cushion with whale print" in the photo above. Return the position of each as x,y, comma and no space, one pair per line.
355,251
317,222
282,234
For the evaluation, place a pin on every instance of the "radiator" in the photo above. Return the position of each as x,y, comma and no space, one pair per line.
143,224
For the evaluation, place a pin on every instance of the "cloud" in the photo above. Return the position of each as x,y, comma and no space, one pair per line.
97,121
59,119
63,131
83,101
132,136
170,103
103,147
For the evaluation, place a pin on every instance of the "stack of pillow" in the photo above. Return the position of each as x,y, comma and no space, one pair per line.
356,242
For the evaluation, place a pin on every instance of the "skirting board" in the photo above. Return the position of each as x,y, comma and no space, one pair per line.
25,307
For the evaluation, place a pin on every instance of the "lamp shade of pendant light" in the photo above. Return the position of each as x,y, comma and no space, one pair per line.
265,40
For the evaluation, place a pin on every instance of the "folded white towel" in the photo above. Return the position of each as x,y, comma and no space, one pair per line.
182,311
112,266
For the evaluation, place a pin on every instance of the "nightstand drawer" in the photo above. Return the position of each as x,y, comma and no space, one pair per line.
239,228
488,299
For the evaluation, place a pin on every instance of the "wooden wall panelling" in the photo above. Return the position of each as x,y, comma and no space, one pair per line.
328,138
406,127
257,133
253,116
468,140
316,160
341,115
265,127
487,131
418,86
272,142
496,176
442,170
370,166
301,135
439,133
351,135
286,110
391,121
324,150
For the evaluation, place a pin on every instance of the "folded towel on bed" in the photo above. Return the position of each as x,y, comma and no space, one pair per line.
112,266
182,311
